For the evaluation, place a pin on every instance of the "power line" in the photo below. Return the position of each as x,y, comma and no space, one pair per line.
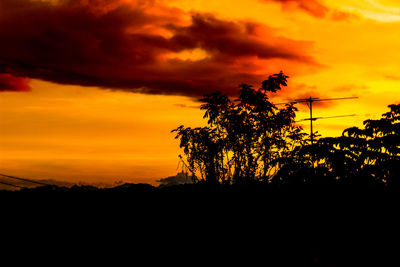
14,185
330,117
316,99
25,179
309,101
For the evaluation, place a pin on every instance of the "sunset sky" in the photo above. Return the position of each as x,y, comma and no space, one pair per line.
90,89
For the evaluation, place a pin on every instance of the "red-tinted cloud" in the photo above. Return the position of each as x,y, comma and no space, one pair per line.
114,45
315,94
9,82
303,91
316,8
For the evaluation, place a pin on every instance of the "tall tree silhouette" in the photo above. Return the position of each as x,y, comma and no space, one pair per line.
244,137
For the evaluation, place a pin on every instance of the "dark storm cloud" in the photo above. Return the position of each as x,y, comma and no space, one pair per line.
128,47
9,82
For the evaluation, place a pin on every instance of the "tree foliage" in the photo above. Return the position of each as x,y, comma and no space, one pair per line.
370,154
362,156
244,137
249,139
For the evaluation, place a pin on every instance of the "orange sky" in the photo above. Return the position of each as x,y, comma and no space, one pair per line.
105,90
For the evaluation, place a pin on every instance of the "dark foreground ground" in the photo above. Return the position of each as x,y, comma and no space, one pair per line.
191,225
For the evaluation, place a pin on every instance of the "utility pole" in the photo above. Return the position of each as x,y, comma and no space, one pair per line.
309,101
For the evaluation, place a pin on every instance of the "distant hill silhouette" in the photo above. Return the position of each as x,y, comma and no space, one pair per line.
57,183
180,178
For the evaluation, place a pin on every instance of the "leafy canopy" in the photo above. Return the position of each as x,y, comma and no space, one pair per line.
244,137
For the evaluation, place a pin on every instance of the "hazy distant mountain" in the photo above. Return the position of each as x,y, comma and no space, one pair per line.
180,178
27,184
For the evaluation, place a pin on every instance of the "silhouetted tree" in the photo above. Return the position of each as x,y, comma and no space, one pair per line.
300,165
370,155
244,137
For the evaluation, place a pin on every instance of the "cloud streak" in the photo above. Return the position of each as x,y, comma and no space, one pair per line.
137,47
315,8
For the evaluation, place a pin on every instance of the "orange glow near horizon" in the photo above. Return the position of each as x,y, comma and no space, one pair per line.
94,135
80,133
